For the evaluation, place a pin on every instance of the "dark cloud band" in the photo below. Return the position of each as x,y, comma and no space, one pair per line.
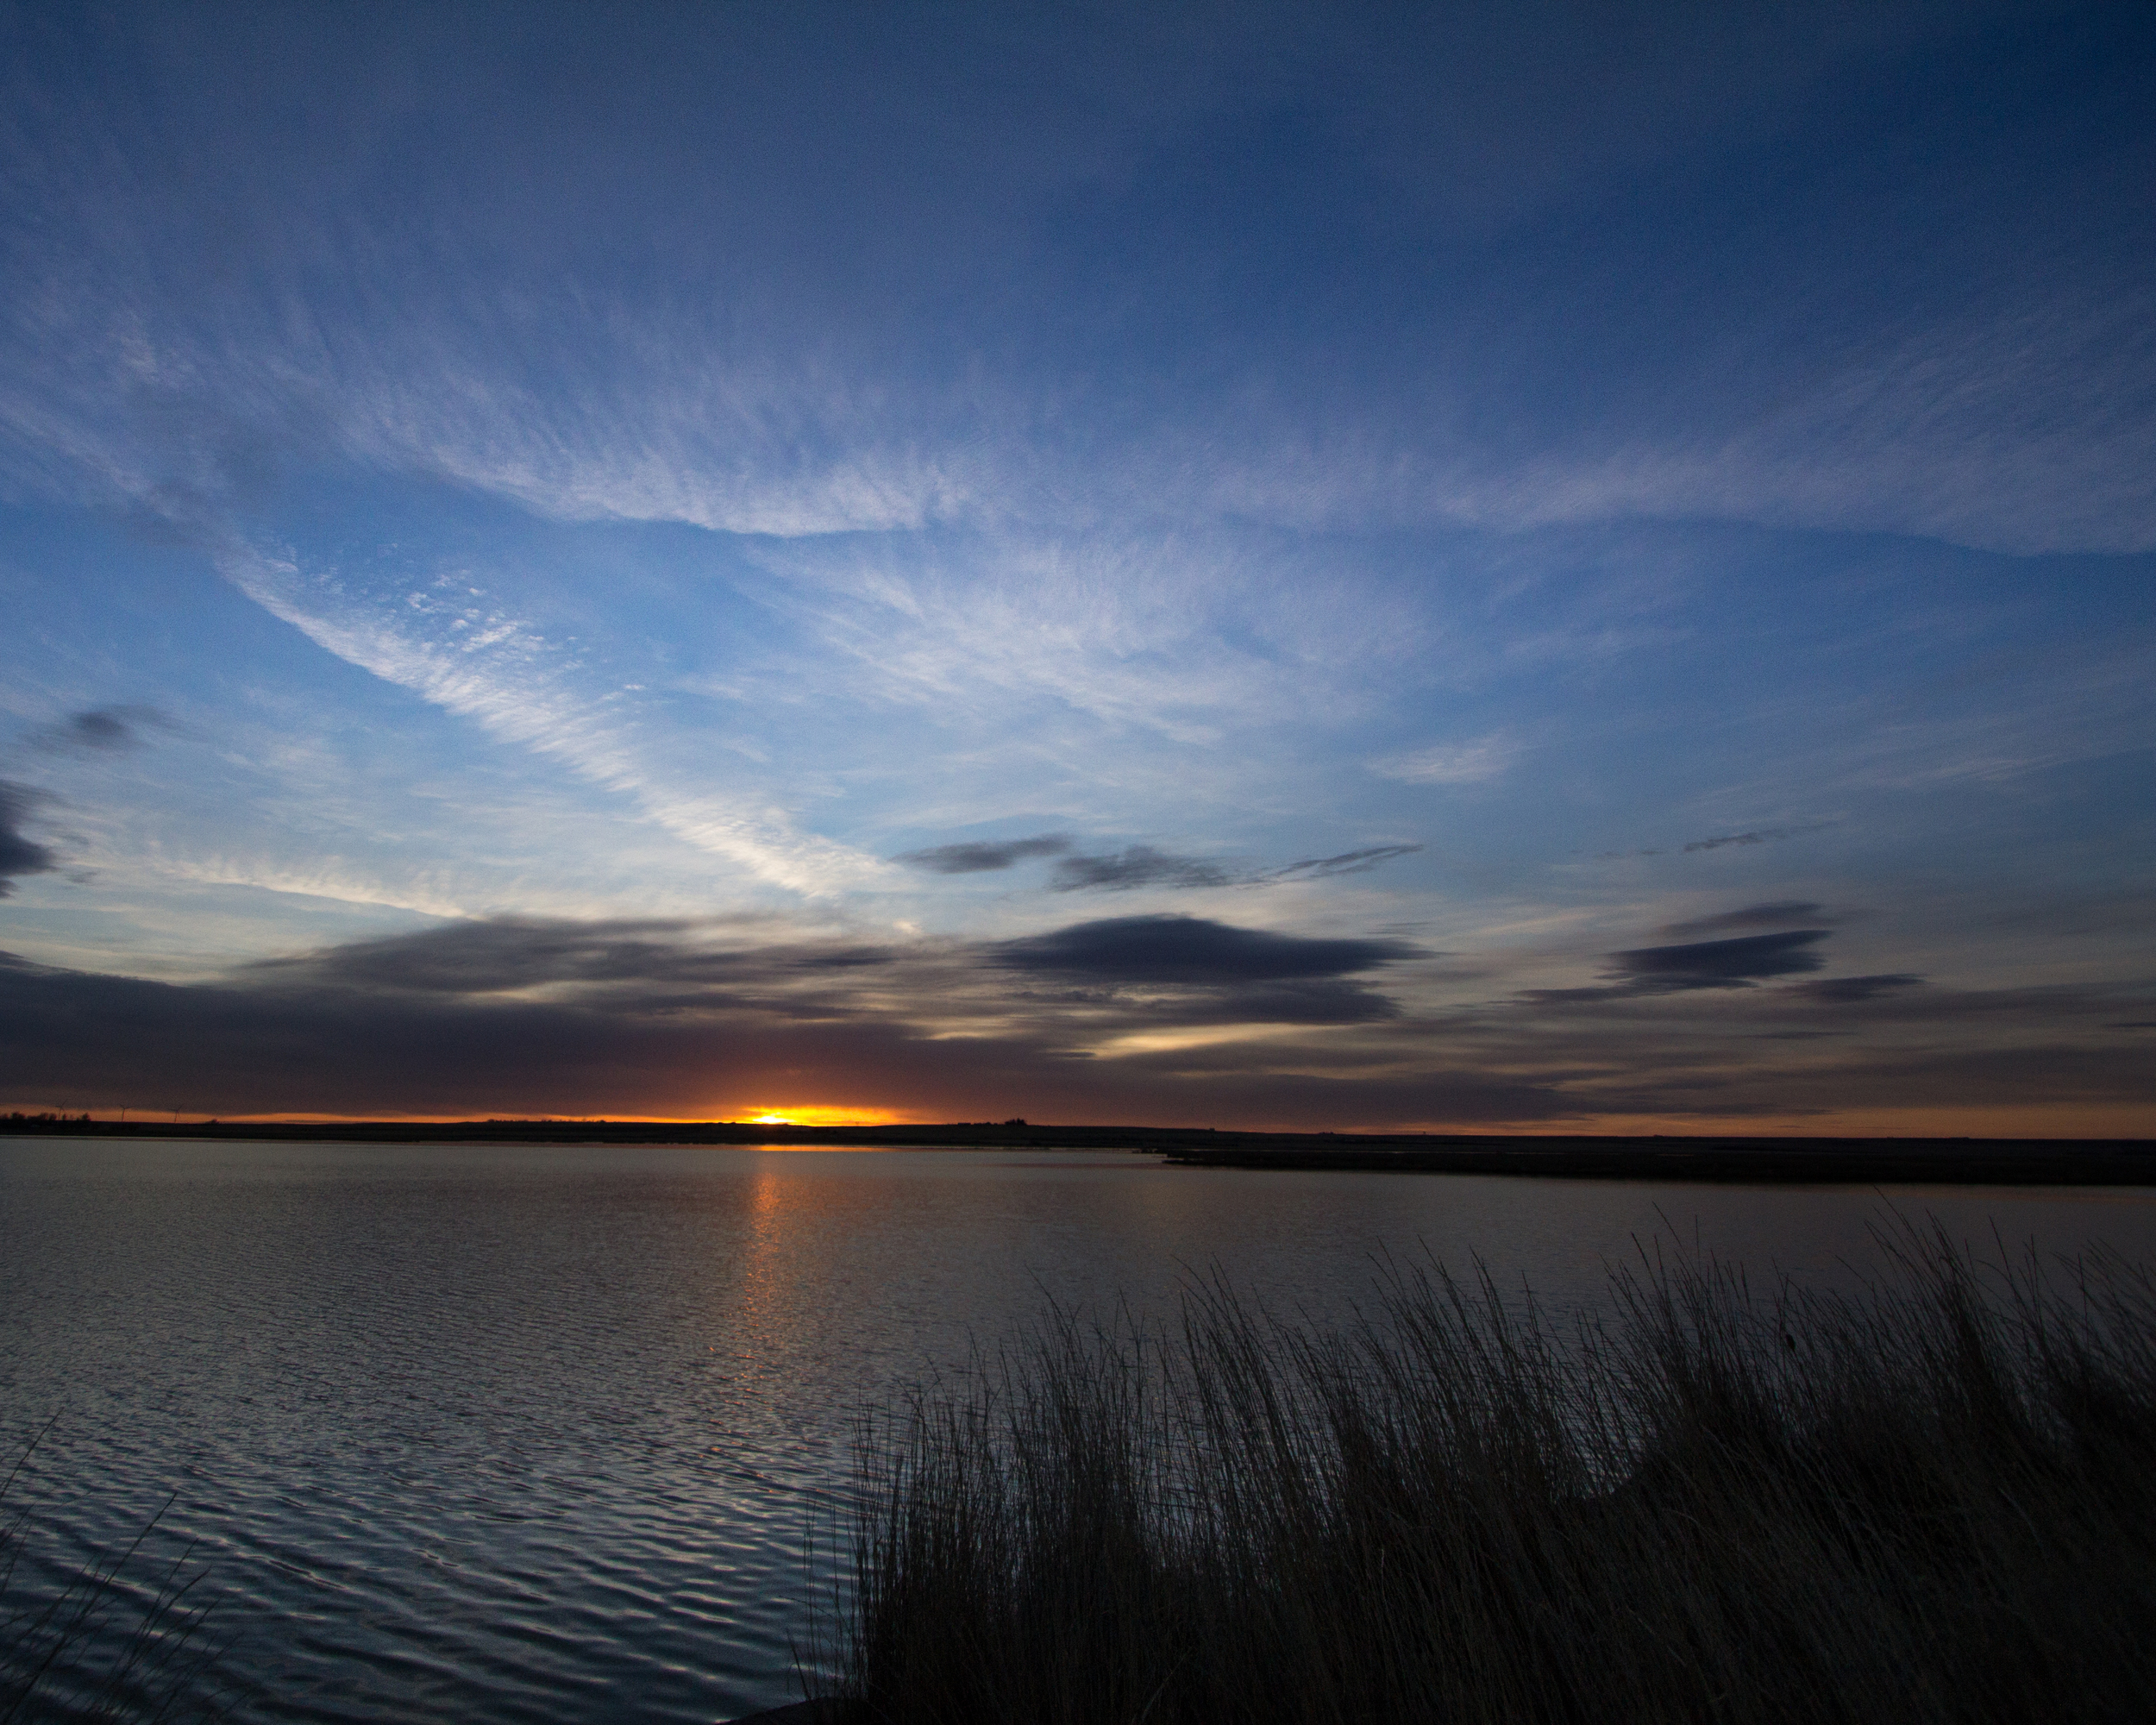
1855,991
986,858
1719,963
673,1017
1135,866
1782,913
20,855
1192,951
1139,866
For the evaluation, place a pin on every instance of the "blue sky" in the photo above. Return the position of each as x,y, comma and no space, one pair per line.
1534,567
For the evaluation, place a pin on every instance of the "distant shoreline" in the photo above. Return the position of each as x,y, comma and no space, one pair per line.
1722,1160
1719,1158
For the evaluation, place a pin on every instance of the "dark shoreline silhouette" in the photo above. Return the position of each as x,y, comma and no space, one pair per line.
1719,1159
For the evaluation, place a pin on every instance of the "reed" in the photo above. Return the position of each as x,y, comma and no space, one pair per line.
121,1641
1934,1500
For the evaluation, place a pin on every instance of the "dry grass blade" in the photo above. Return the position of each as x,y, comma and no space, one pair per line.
1934,1500
111,1645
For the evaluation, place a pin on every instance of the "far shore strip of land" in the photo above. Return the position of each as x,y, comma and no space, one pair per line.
1717,1158
1734,1160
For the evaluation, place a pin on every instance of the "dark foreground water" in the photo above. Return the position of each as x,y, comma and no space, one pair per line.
540,1434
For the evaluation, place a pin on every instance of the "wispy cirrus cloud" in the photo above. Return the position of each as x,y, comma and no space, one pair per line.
1907,435
438,315
1764,834
483,663
1347,862
1451,764
1722,841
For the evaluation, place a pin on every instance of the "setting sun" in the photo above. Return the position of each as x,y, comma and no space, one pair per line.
815,1116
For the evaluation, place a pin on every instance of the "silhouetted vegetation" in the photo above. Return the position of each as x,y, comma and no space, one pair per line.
121,1641
1936,1501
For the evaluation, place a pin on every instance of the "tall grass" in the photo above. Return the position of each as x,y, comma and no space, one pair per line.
1935,1500
120,1641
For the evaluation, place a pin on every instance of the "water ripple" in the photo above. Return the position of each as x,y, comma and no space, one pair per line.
545,1434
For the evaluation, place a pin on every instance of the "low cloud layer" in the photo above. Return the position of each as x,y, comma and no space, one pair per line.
684,1017
516,955
1165,1018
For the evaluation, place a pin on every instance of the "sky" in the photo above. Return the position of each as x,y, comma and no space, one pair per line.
1523,567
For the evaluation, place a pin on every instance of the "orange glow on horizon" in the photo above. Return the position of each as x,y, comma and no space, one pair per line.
817,1115
1998,1120
807,1115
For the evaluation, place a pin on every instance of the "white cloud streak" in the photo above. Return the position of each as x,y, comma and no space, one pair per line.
494,669
1451,764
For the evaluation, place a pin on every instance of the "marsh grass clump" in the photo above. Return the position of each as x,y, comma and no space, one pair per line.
1935,1500
120,1641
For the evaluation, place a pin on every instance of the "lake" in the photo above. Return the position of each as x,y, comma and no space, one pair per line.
540,1433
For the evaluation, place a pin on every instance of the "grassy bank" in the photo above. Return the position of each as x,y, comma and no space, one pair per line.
1936,1501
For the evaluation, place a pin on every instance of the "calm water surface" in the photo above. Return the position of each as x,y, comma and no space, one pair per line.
538,1434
